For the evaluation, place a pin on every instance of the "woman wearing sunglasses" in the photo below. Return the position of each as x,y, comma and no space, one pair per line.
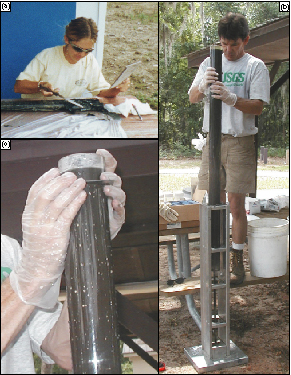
71,69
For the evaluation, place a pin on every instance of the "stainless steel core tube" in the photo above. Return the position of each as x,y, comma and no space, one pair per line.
215,154
89,275
215,131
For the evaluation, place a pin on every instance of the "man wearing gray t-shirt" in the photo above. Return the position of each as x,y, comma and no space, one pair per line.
244,90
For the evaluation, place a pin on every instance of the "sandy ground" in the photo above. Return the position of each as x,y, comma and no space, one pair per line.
180,163
131,35
259,325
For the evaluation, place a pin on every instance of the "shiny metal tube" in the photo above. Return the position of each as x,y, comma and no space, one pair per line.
89,275
171,262
215,154
215,132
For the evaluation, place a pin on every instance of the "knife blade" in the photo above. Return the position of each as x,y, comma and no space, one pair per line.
61,96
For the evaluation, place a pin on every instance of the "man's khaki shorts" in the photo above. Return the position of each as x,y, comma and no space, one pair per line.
238,165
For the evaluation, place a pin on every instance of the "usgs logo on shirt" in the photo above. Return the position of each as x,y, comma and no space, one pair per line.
233,77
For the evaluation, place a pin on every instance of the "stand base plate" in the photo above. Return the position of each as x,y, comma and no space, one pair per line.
203,364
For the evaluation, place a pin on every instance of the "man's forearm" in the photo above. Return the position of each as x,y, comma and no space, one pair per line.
57,342
14,314
249,106
195,95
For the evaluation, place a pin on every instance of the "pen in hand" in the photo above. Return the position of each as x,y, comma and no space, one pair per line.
137,112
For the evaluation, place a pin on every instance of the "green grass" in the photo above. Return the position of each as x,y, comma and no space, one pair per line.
144,18
152,101
178,151
183,164
272,183
193,162
178,182
174,182
277,168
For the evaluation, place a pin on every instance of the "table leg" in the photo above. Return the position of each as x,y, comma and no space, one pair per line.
171,262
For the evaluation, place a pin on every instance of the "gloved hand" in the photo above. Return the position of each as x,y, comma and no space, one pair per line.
167,212
210,76
51,205
221,92
199,143
116,202
110,161
116,195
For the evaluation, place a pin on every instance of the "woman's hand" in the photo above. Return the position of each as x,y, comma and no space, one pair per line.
110,96
49,86
115,101
124,86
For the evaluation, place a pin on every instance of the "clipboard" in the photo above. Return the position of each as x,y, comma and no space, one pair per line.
126,73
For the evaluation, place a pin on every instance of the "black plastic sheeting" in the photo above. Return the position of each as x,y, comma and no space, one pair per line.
36,105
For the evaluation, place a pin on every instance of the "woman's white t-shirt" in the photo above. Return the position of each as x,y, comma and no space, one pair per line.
73,80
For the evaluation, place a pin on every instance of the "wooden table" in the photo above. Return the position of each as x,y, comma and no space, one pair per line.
192,285
132,125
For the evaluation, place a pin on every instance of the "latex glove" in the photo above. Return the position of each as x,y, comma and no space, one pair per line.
199,143
116,195
51,205
210,76
110,161
221,92
116,201
167,212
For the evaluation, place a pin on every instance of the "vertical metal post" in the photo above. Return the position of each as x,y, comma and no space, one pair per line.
179,256
217,351
89,275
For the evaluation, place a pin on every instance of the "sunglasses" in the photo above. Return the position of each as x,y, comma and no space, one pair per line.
79,49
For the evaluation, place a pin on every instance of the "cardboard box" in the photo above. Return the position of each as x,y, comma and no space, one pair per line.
187,212
183,224
199,195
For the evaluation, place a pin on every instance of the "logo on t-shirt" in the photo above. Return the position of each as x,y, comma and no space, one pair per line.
233,79
81,82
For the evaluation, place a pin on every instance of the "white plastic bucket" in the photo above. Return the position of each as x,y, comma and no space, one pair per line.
267,247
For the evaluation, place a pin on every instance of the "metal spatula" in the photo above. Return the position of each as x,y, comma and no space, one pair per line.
61,96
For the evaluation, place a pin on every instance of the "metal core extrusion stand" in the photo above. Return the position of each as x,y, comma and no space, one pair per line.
217,350
184,268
